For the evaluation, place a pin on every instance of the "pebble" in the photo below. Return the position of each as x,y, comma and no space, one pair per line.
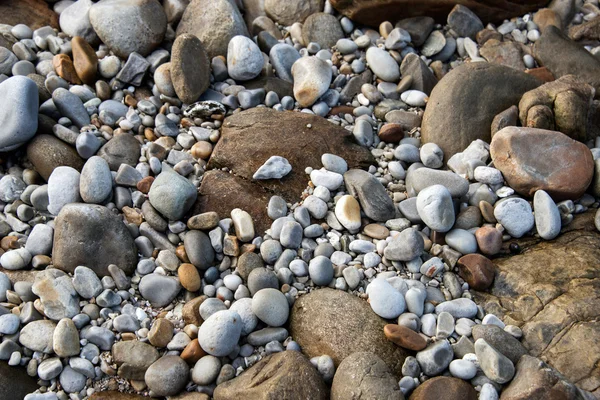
327,179
283,56
347,211
244,58
19,102
38,336
276,167
383,65
320,270
206,370
547,216
219,334
431,155
96,181
405,246
496,366
435,207
458,308
515,215
312,77
404,337
435,358
461,240
384,299
271,307
167,376
158,289
463,369
66,338
9,324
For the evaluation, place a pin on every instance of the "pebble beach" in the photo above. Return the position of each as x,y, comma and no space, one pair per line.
300,199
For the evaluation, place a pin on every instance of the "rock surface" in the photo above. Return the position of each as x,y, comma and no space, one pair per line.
444,387
374,12
464,103
317,317
285,375
535,159
552,291
92,236
33,13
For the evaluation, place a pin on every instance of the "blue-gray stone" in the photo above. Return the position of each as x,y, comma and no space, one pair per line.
19,102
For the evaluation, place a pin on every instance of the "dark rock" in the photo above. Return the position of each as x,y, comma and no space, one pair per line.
353,86
14,381
422,77
121,149
317,319
555,51
464,103
375,12
374,199
464,22
322,28
418,27
93,236
287,375
47,153
190,68
271,84
199,249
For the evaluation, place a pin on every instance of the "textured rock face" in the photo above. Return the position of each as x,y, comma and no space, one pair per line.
373,12
33,13
287,375
92,236
463,104
552,291
531,159
249,138
318,318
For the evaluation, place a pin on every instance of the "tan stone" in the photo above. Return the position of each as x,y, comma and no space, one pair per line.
191,311
489,240
376,231
189,277
546,17
444,387
63,65
161,333
391,133
192,352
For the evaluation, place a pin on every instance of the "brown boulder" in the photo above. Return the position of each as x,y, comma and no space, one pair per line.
463,104
551,290
336,323
249,138
535,159
33,13
504,53
374,12
287,375
47,153
444,387
364,376
535,379
476,270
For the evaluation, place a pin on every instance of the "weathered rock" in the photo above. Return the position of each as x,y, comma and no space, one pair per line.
58,296
375,12
555,51
285,375
568,101
444,387
464,103
93,236
33,13
262,133
322,28
133,358
288,12
506,53
535,159
364,376
317,318
552,291
19,102
534,379
214,22
190,68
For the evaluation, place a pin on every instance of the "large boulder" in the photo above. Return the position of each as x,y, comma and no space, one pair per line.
374,12
287,375
463,104
128,26
92,236
214,22
552,291
336,323
562,56
533,159
33,13
249,138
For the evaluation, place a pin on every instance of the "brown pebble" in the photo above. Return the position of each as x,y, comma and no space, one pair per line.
542,73
247,248
130,101
9,242
404,337
438,237
192,352
231,246
145,184
376,231
161,333
202,150
149,134
204,221
189,277
102,90
346,69
181,254
133,215
391,133
63,65
337,110
191,311
404,84
40,261
127,336
385,28
487,212
476,270
85,60
489,240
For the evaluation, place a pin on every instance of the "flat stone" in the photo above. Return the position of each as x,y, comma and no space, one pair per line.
58,296
160,290
515,215
322,28
373,198
38,336
501,340
563,166
77,240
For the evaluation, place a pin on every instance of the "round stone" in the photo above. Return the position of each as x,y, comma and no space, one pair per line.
160,290
244,58
435,207
383,65
189,277
489,240
167,376
463,369
271,307
347,211
320,270
312,77
9,324
244,308
477,270
206,370
385,300
515,215
461,240
96,181
220,333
